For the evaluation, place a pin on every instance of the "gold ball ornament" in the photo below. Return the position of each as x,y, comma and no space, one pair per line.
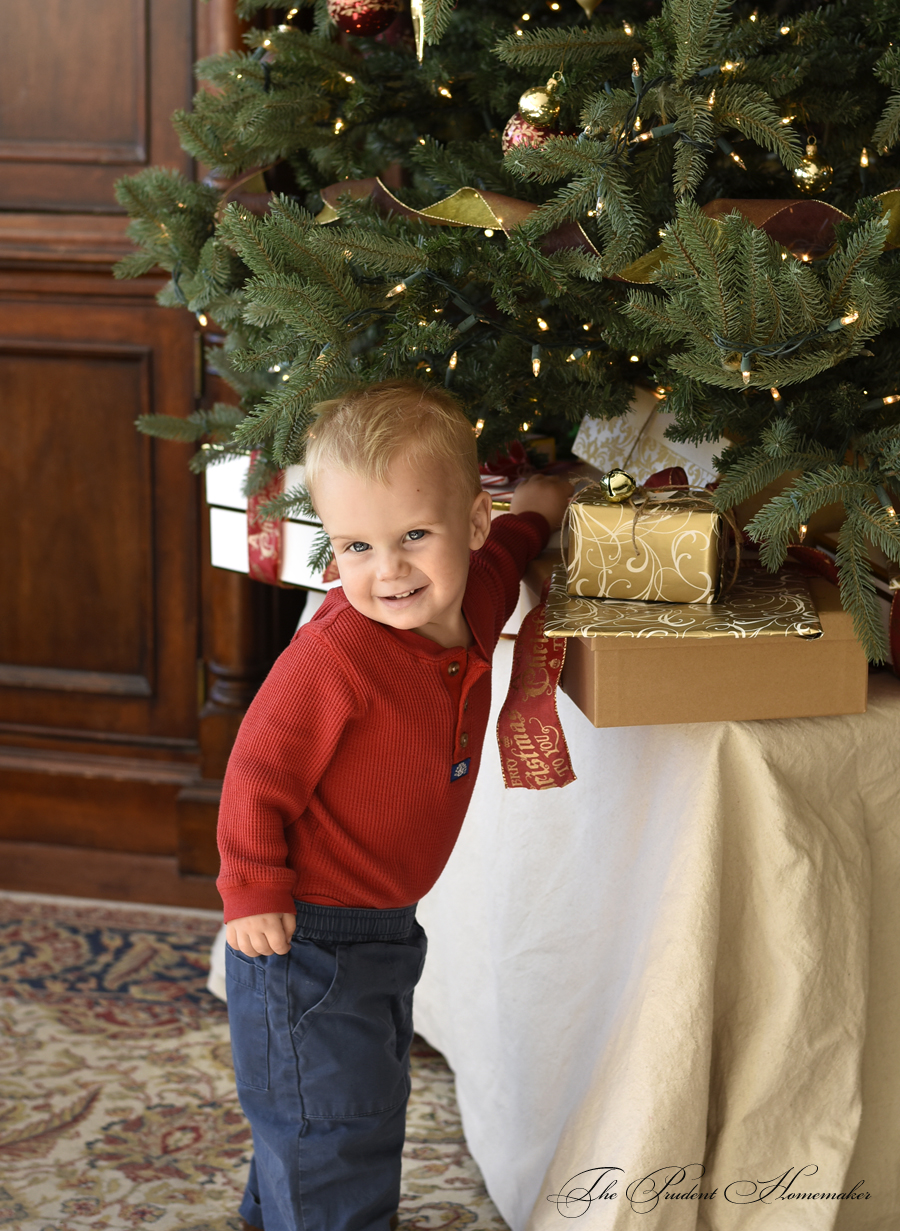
540,105
618,485
813,175
589,6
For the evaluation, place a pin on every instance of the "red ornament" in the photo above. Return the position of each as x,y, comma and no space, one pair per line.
520,132
363,17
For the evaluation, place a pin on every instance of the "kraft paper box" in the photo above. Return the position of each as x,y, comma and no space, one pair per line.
659,675
647,548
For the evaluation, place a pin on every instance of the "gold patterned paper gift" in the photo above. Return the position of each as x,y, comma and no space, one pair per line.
759,604
657,546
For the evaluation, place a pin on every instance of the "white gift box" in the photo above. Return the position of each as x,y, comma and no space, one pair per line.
228,526
638,444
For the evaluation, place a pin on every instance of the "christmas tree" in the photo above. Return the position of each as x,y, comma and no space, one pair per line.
544,242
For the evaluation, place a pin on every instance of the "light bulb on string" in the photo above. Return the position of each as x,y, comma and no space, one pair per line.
453,360
396,290
864,158
776,396
886,503
479,427
536,360
202,320
802,531
542,324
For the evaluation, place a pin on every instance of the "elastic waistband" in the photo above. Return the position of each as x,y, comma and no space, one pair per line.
353,923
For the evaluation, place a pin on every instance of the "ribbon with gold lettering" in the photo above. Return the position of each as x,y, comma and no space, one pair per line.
264,535
533,749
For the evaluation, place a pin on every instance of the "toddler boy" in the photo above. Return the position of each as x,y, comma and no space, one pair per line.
345,793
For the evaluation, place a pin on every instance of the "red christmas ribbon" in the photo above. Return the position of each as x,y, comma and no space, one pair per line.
533,749
264,535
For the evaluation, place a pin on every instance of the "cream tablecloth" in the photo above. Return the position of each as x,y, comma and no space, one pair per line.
691,955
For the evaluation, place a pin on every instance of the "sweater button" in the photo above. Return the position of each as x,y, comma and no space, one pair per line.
453,669
463,739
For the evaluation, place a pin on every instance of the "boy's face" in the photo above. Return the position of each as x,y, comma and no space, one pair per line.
402,548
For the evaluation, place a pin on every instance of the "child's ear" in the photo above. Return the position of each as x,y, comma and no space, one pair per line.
479,520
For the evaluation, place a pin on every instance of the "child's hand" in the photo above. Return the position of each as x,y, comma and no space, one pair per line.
261,935
543,493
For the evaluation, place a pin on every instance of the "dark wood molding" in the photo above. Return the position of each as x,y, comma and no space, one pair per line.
118,876
198,807
56,679
33,735
89,765
117,713
218,28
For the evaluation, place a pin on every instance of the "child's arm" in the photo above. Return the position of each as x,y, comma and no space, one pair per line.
544,494
285,743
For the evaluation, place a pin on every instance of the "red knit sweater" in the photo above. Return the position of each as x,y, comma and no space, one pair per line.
352,771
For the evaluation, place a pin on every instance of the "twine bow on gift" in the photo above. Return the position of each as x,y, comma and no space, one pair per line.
681,496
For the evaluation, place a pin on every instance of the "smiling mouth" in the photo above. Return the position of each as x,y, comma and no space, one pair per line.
390,598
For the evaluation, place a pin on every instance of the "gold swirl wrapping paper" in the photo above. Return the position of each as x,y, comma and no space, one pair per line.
668,554
757,605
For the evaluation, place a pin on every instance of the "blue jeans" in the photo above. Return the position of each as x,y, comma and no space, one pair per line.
320,1038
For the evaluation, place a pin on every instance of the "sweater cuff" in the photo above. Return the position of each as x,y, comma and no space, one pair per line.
540,523
243,900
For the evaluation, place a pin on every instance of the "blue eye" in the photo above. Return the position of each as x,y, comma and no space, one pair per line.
415,535
358,547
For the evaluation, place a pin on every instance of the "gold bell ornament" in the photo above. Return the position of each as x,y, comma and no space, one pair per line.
618,485
813,175
589,6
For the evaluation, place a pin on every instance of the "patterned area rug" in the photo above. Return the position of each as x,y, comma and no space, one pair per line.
117,1100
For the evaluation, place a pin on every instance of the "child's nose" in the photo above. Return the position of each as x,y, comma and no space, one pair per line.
390,565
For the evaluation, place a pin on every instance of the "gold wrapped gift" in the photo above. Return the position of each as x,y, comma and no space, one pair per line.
759,604
658,546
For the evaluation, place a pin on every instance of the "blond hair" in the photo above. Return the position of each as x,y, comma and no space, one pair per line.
366,430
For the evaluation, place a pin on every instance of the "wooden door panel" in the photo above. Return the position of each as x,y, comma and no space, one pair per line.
90,99
65,123
98,586
90,540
